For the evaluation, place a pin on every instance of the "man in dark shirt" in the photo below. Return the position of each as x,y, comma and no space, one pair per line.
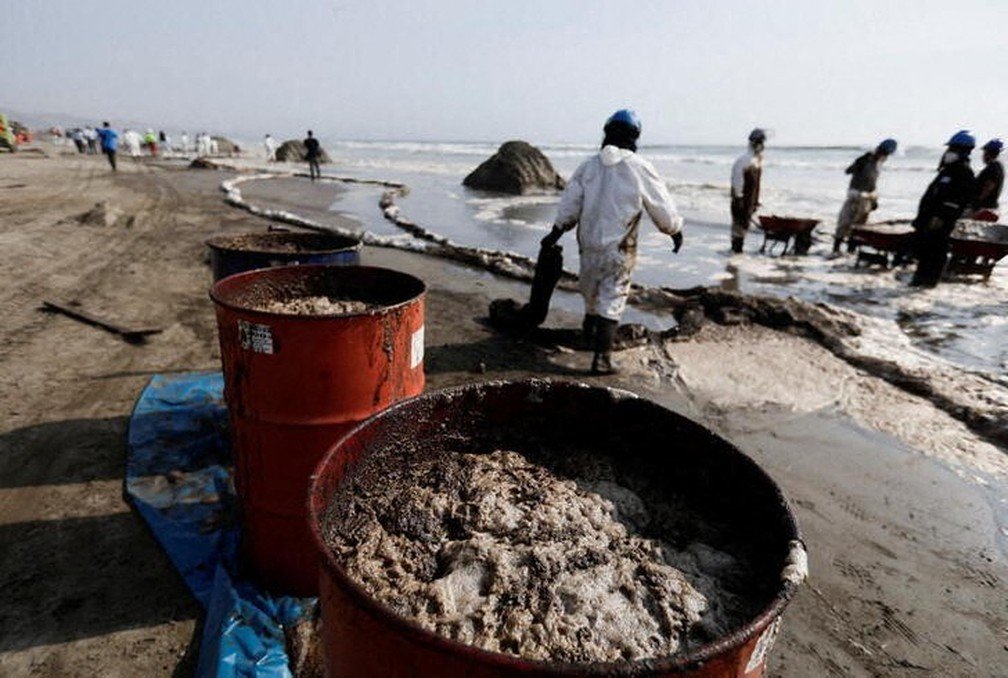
312,153
990,180
940,207
861,195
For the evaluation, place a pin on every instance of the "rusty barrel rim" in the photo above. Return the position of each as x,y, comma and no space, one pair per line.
414,288
318,501
226,242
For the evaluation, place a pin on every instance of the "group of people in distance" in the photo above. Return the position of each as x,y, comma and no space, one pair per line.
107,140
90,140
609,193
953,193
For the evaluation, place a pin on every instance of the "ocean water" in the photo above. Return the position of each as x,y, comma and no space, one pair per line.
964,322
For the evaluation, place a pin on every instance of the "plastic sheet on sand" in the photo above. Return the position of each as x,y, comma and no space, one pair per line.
178,477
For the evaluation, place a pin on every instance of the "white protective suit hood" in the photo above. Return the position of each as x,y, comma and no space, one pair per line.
613,155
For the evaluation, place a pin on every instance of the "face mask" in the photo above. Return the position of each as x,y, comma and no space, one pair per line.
949,157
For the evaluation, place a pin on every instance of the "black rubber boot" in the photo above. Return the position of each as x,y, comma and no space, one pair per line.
604,338
736,245
836,245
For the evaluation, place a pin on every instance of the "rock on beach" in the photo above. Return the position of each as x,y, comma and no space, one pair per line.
517,168
293,150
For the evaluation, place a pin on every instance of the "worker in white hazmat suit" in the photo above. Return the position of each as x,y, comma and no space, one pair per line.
133,141
605,198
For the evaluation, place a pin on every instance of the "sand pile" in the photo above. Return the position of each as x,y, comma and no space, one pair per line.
499,552
319,305
105,214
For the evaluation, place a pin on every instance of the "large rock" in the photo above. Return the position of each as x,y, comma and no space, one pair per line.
226,147
517,168
203,163
294,150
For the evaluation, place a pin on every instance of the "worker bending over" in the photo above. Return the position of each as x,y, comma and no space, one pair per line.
862,197
605,198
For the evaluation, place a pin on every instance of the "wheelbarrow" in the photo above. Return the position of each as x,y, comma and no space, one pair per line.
876,242
780,230
977,252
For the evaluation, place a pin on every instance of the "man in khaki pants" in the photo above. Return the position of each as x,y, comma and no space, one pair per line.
861,196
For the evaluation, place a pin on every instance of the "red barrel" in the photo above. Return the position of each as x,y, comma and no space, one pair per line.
364,637
294,384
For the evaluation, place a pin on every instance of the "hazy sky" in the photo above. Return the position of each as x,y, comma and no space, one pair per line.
824,72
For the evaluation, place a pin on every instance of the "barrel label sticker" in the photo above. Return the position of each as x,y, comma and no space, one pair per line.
416,348
763,646
258,338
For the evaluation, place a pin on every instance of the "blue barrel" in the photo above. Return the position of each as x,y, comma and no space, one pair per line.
230,254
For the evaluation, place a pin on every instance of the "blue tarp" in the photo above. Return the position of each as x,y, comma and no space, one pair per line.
178,477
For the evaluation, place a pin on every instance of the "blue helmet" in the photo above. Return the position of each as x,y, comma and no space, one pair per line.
963,139
887,147
757,136
625,116
993,146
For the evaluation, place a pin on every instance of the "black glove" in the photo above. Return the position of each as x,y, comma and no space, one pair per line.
677,242
552,237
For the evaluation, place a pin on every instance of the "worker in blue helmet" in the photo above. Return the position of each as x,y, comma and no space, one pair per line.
862,197
940,207
745,187
989,182
605,199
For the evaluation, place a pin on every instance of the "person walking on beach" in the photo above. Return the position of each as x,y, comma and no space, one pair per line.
270,145
745,187
862,198
312,153
989,183
91,137
78,138
940,207
150,141
133,140
605,199
109,143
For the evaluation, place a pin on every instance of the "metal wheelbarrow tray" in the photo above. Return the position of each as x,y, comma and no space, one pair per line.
883,239
782,229
977,252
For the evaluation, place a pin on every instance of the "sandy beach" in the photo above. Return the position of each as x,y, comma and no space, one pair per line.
903,502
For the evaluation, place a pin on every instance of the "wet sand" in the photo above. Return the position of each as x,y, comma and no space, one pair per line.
904,508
